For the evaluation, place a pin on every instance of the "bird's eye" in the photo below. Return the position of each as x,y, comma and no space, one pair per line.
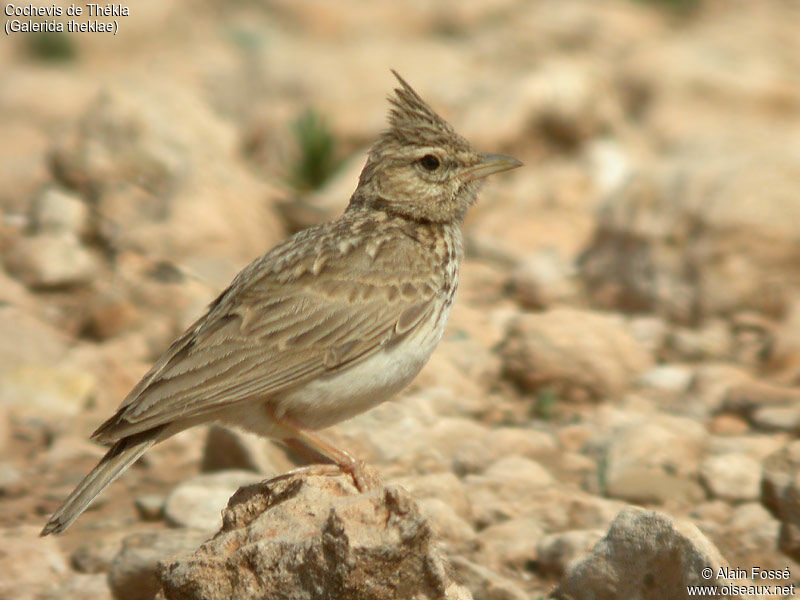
430,162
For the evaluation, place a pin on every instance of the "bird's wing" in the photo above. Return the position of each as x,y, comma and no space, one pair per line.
266,335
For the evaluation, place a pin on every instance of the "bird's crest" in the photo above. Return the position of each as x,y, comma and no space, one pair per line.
411,121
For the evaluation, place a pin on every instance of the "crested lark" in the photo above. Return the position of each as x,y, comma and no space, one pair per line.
330,323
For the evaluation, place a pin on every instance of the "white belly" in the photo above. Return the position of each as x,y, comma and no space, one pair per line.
342,395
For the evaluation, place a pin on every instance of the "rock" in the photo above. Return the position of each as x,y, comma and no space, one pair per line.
52,260
84,586
645,554
712,341
457,533
43,389
132,573
777,418
753,528
150,507
317,536
516,468
674,379
502,492
543,279
670,444
197,503
555,551
11,481
476,454
645,485
577,353
58,210
26,340
485,584
511,544
688,242
233,449
780,494
96,556
554,507
440,486
31,567
166,174
733,476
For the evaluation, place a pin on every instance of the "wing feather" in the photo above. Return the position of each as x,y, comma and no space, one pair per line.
280,338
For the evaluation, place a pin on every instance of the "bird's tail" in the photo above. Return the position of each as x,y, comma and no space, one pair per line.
121,456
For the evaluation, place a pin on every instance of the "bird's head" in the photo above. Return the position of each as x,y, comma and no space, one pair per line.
420,167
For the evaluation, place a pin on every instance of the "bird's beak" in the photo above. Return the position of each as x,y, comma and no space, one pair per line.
490,163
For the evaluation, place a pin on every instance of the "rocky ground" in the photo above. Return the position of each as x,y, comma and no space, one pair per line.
615,403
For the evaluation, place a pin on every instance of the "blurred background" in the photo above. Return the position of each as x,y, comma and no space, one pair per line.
627,329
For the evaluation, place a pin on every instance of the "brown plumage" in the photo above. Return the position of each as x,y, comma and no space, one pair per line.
328,324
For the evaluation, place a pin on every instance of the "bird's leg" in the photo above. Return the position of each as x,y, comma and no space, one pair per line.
344,461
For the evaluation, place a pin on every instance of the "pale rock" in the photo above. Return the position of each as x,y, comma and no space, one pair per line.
96,556
712,341
92,586
167,176
475,455
58,210
45,389
52,260
669,443
577,353
780,494
447,525
132,572
317,536
512,544
31,566
685,240
12,483
645,554
733,476
234,449
543,279
649,485
197,503
755,445
674,379
483,583
650,331
753,528
442,486
777,418
557,550
150,507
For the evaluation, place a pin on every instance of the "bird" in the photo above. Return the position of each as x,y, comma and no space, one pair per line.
330,323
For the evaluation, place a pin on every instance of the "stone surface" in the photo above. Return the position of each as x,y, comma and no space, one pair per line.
31,566
58,210
232,449
577,353
52,260
198,502
485,584
555,551
317,536
780,494
687,242
732,476
645,554
43,388
132,573
512,544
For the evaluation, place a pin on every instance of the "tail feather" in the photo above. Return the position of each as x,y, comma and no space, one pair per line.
121,456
